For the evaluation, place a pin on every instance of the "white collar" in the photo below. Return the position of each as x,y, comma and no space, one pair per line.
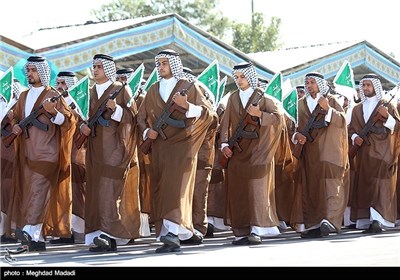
36,89
373,99
102,87
247,92
168,81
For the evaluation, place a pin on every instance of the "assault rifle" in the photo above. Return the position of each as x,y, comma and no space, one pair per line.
368,128
30,121
311,124
233,141
98,118
165,120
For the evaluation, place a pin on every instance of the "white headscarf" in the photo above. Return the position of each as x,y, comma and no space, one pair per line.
375,82
247,68
42,68
69,78
174,62
108,65
321,82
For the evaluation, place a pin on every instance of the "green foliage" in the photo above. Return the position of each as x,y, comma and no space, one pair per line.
202,13
256,37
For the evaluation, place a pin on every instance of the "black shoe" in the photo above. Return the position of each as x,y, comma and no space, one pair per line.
313,233
196,239
104,244
98,249
375,227
33,247
37,246
6,239
23,236
63,240
254,239
26,241
210,230
241,241
324,229
168,249
171,240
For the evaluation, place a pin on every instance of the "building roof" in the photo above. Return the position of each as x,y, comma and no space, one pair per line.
135,41
131,42
327,59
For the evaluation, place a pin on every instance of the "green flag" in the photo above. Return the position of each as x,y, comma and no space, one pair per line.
80,94
151,80
274,87
209,79
6,81
290,105
344,81
134,82
221,91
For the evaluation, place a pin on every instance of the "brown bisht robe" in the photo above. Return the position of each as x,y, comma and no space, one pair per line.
144,169
250,175
174,160
78,177
398,178
41,191
7,160
320,188
205,161
216,188
376,168
111,192
284,175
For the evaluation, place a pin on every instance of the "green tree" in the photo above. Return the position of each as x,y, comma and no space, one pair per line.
256,37
202,13
124,9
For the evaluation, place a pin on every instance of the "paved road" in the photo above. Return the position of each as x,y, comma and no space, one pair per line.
349,248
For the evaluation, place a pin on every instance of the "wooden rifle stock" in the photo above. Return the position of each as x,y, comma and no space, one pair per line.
298,149
31,120
224,161
353,151
161,122
80,139
95,119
